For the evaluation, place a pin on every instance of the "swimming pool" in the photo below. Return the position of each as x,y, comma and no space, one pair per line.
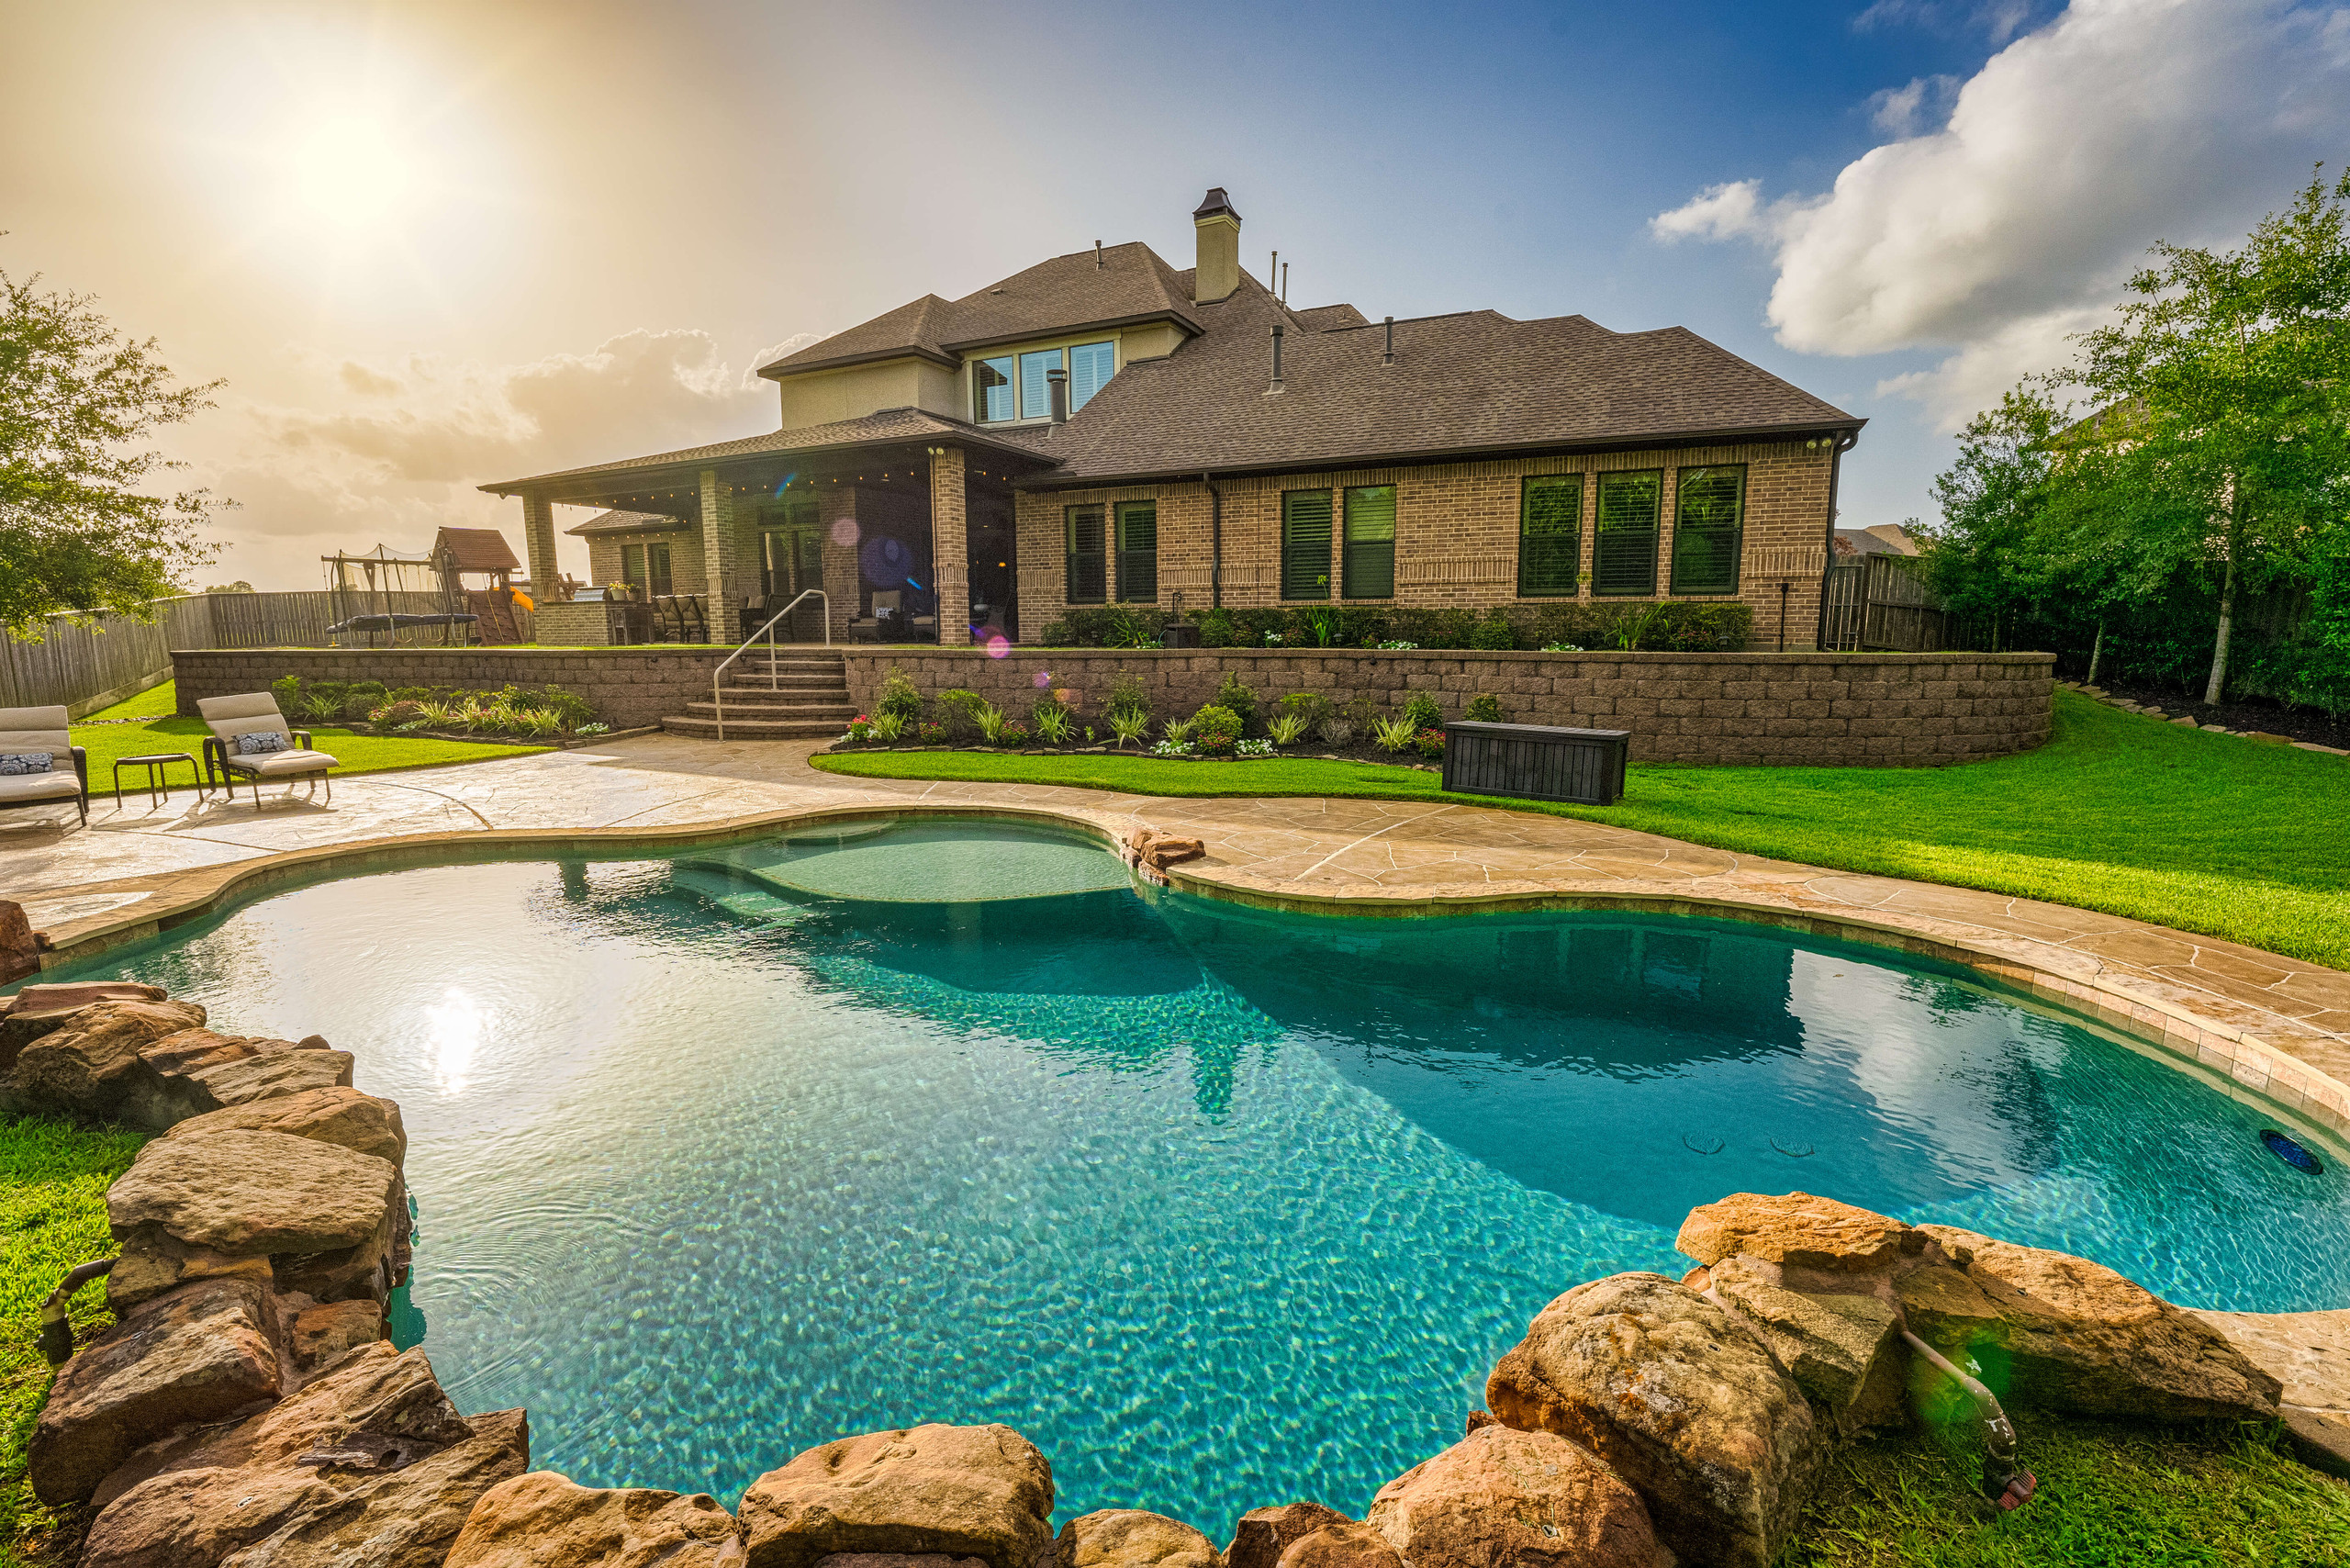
720,1156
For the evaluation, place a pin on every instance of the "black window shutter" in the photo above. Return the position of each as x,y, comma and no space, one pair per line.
1306,545
1088,562
1139,552
1624,544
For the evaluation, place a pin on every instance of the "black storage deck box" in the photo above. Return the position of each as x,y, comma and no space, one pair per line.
1535,762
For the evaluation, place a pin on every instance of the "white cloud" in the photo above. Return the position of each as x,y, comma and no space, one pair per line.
2069,152
387,454
1921,105
2002,19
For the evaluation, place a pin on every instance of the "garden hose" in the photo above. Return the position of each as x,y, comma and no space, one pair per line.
56,1334
2004,1482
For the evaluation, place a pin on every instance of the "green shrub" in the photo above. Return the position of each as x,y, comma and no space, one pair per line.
410,694
1128,695
958,709
1431,745
392,715
1218,630
898,695
1421,712
1239,701
1494,631
1309,707
288,690
1216,730
1483,709
1056,634
1118,626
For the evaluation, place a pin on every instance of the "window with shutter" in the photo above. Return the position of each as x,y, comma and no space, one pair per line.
1367,565
1036,392
1305,543
991,389
1550,536
1624,541
1087,563
1709,525
633,565
1091,365
1139,552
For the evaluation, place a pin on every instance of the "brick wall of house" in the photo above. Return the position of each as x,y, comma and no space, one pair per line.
1778,708
627,686
686,575
1456,532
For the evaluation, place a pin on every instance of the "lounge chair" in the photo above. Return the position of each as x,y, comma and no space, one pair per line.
256,712
29,733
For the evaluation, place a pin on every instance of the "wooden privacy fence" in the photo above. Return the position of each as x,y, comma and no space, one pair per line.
1880,602
84,667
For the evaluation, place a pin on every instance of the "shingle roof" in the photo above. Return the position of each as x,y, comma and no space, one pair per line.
1329,318
628,522
1472,382
1131,284
882,428
476,549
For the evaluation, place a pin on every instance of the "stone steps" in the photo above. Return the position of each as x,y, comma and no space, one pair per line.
808,699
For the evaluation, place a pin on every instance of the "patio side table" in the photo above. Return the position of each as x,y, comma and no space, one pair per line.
158,777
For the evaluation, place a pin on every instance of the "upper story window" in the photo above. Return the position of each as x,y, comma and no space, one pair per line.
1014,386
991,389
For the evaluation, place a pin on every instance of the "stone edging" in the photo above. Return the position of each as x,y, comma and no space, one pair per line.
2173,1030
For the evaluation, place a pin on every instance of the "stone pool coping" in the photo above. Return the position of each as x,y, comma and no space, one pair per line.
2273,1028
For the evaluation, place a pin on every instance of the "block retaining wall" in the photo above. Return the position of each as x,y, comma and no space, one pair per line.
627,686
1779,709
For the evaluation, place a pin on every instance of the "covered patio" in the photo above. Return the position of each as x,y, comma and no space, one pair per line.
902,519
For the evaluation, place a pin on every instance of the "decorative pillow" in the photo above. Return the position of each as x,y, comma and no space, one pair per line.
257,742
15,762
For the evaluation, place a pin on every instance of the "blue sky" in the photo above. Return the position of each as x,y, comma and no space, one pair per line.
435,244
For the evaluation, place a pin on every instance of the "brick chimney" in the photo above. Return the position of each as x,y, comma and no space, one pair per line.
1219,254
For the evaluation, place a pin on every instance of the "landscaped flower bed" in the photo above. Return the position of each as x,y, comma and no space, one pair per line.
1236,726
548,714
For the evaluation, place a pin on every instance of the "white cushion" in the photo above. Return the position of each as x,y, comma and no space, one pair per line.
16,787
277,763
35,729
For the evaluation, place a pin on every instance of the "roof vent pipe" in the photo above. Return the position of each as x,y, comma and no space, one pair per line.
1097,255
1389,357
1284,283
1058,381
1273,274
1277,360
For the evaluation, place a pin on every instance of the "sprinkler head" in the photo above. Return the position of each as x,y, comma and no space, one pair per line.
2010,1489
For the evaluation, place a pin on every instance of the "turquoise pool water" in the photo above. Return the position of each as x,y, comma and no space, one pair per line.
720,1157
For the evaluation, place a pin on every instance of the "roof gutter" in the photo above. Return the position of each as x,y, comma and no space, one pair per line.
1847,431
624,479
1006,339
1845,441
776,372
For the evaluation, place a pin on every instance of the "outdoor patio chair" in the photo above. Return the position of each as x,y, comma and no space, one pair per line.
227,758
40,764
697,618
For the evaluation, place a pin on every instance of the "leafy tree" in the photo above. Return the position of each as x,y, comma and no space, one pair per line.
2226,387
81,529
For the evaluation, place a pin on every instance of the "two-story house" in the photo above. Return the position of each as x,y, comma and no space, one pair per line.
1105,428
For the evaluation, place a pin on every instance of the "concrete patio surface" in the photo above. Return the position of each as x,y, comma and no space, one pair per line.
2278,1026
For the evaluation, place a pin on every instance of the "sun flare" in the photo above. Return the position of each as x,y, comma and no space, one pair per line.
354,172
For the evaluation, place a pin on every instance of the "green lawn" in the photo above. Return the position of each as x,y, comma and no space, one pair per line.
2118,812
53,1178
2110,1496
352,753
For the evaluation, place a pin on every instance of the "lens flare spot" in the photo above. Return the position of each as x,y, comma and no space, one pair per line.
845,533
999,647
456,1029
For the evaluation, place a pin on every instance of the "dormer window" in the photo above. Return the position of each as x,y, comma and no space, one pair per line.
1014,386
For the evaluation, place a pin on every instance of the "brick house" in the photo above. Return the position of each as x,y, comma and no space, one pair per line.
1104,428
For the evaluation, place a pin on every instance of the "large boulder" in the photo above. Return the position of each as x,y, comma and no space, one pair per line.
1798,1231
1680,1400
336,1114
1838,1345
324,1215
198,1072
545,1520
1130,1537
1503,1498
1342,1545
89,1065
1263,1534
317,1336
2308,1353
981,1492
368,1463
2058,1331
38,1010
198,1354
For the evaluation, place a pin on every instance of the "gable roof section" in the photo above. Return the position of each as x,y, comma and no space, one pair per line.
885,427
476,549
1472,383
1069,293
628,523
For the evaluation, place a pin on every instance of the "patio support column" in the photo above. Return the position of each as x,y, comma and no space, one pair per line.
538,547
950,546
724,562
836,514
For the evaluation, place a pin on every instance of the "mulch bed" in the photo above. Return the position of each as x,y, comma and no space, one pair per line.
1370,755
2268,718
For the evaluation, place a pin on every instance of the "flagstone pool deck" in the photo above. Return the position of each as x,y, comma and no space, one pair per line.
2277,1027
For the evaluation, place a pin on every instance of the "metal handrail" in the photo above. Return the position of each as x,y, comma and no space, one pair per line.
717,700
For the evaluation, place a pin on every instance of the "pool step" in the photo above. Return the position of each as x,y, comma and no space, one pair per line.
790,696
